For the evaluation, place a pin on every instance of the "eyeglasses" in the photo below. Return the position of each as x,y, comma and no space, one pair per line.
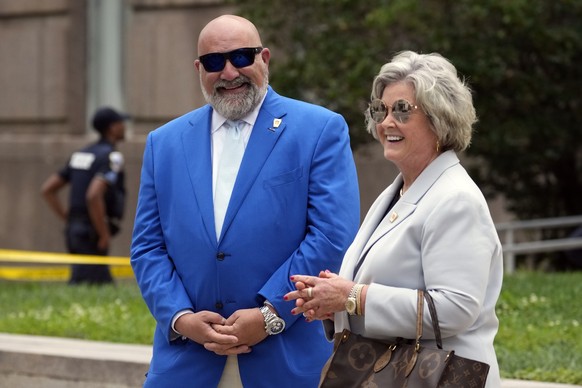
401,110
241,57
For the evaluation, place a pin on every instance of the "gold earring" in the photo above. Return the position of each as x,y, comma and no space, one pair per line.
438,147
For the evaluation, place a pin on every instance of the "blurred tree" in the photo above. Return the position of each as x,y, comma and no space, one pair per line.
322,53
522,59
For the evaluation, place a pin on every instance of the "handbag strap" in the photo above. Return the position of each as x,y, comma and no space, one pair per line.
419,313
434,318
421,296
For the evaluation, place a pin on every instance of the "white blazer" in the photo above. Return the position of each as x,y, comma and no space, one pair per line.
439,237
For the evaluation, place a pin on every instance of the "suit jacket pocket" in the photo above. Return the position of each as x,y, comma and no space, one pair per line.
284,178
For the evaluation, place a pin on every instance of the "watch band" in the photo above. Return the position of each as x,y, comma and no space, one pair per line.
355,295
353,291
267,303
267,313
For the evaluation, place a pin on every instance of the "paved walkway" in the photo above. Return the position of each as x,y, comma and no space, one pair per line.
533,384
49,362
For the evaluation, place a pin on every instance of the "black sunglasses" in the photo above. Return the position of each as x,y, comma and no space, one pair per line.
401,110
241,57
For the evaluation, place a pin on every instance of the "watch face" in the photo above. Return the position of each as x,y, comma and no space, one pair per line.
276,326
273,324
351,305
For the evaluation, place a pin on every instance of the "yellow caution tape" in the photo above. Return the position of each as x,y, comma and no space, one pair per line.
53,273
120,266
12,256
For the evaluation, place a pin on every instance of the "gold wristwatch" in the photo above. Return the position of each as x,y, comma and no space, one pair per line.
352,302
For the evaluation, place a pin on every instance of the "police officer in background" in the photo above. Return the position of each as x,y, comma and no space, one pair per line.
97,196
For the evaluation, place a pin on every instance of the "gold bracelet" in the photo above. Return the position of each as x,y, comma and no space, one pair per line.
358,299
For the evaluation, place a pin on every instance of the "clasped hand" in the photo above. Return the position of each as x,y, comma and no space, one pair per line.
318,297
224,336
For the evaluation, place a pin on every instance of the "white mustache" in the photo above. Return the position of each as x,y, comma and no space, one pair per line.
232,84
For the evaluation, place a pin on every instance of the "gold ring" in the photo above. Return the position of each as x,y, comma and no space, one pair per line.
310,292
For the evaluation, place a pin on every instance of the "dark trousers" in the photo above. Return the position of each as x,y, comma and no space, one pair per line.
82,239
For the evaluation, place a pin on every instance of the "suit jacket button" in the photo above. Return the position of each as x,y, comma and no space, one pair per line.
219,305
220,256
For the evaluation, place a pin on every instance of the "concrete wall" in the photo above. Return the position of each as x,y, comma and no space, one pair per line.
46,91
42,67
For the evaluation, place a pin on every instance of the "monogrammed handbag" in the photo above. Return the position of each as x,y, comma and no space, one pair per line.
363,362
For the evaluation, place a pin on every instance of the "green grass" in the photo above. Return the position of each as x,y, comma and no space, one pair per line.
113,313
540,335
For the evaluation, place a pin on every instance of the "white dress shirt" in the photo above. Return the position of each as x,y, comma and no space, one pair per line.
217,132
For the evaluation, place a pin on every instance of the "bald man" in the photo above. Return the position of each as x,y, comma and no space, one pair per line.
234,198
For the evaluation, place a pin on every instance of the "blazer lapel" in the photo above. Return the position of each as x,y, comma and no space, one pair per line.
360,245
379,226
269,125
395,216
196,145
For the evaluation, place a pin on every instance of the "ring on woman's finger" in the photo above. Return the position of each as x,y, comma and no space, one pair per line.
305,315
310,292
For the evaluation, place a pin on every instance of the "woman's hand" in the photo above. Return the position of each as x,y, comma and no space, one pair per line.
319,297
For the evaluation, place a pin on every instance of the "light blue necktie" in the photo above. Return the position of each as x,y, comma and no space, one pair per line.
228,166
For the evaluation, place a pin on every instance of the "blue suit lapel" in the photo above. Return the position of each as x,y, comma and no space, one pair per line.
196,144
263,138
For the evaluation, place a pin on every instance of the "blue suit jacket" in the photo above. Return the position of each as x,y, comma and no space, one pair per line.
294,210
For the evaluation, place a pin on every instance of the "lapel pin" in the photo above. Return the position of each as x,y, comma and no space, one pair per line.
276,124
393,217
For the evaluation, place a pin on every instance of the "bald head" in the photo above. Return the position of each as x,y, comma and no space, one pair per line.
228,32
233,85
